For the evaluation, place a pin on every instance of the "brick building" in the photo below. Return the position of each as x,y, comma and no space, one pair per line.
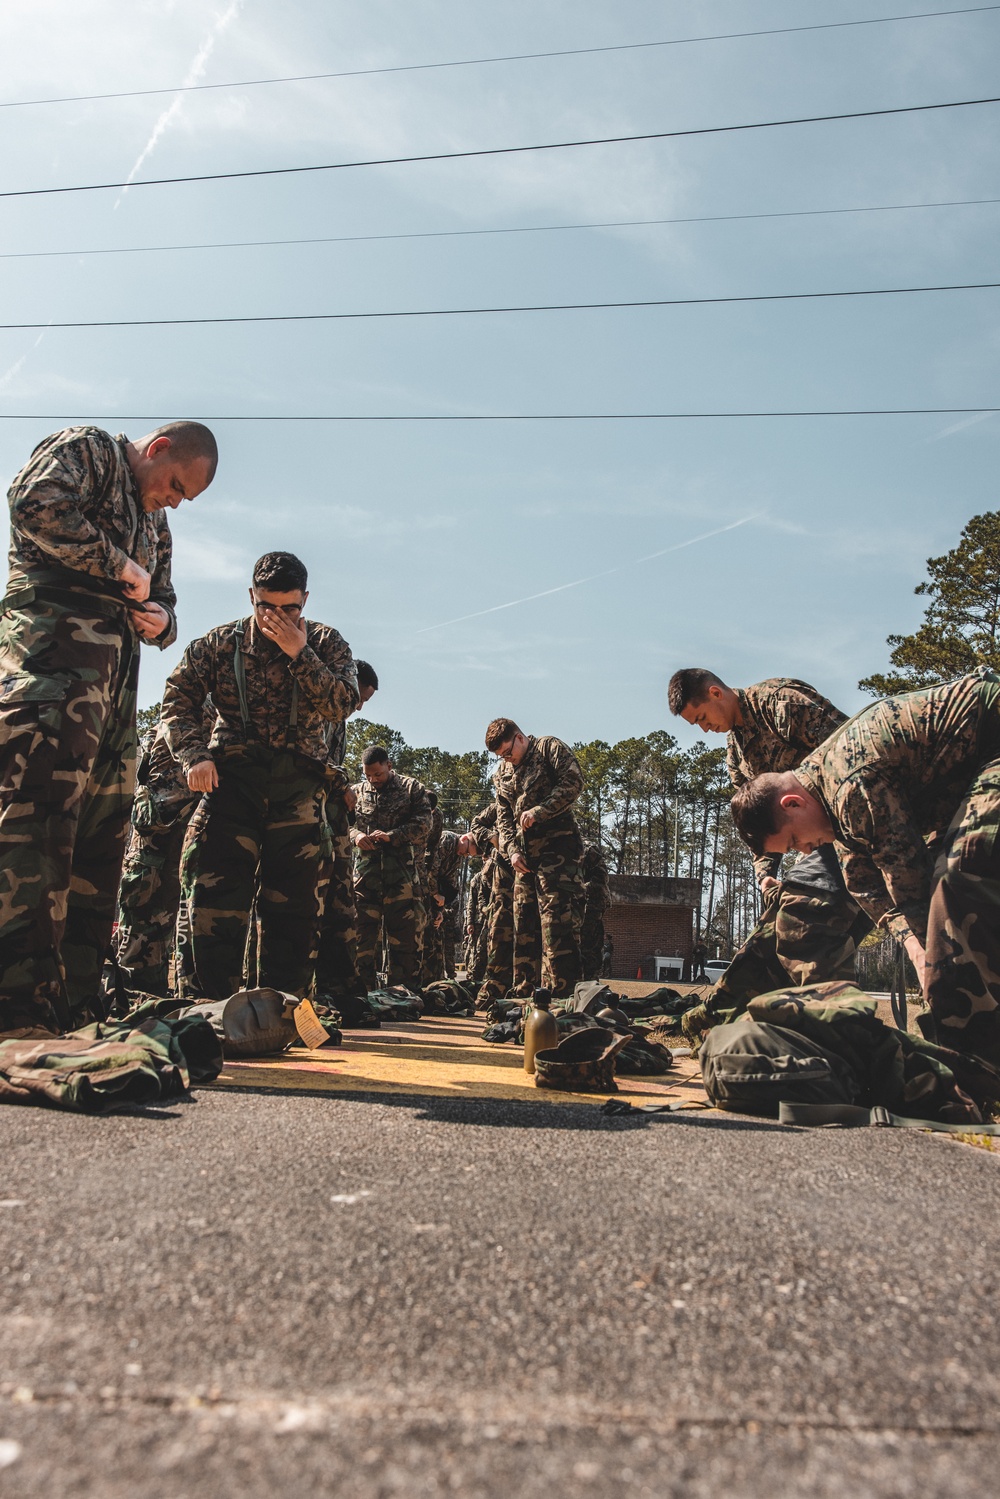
648,915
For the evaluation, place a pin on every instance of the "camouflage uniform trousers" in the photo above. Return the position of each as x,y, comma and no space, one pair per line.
432,949
449,940
591,944
257,842
498,943
385,895
337,959
548,902
807,935
963,926
67,774
148,902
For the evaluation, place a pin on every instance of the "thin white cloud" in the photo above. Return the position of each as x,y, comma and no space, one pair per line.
578,582
968,421
191,77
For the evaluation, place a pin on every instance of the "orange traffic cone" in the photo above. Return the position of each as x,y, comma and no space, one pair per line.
638,972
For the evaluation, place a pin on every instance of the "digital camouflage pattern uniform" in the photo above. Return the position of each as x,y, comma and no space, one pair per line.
427,907
598,899
444,879
476,915
809,927
549,898
261,836
150,892
912,787
68,671
385,877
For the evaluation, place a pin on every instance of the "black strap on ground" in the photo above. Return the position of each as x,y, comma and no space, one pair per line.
851,1116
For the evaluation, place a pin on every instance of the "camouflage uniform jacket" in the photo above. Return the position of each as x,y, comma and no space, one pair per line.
75,506
892,778
400,808
597,880
547,782
323,674
783,721
443,867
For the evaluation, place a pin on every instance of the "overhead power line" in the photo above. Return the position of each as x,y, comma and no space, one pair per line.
395,161
549,416
473,62
335,317
348,239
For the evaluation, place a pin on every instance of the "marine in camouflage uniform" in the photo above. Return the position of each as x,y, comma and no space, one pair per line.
443,881
810,927
337,974
909,791
476,908
385,872
538,834
598,899
261,834
150,891
89,540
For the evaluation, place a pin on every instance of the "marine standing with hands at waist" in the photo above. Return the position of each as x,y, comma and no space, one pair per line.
90,556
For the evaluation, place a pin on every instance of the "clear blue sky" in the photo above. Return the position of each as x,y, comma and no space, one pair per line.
407,526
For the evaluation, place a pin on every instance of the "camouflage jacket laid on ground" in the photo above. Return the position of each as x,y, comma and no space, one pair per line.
547,782
289,704
400,808
893,777
783,721
75,508
113,1065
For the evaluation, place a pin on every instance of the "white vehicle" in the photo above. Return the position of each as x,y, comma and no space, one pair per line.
715,968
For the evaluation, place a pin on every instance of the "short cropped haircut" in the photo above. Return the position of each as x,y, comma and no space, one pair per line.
366,675
432,797
191,440
280,572
375,754
690,686
757,811
498,732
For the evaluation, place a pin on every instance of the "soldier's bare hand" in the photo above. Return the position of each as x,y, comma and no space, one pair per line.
135,581
278,627
768,883
350,799
150,621
203,776
918,958
527,820
520,863
365,842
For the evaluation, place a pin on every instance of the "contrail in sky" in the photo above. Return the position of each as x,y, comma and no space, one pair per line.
15,368
578,582
194,72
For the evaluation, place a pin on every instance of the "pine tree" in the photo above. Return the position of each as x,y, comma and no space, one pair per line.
961,628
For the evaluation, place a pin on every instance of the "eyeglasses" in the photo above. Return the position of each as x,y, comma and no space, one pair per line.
278,608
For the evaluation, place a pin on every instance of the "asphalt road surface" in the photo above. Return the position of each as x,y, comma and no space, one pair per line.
284,1295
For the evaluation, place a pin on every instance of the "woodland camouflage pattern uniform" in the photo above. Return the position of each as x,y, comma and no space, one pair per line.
385,877
150,891
68,670
427,907
442,879
916,770
476,915
495,968
598,899
261,834
337,958
549,899
809,927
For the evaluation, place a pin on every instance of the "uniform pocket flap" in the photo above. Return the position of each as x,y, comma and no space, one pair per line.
26,687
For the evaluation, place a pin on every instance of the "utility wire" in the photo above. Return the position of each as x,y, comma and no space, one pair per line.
472,62
348,239
335,317
557,416
395,161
